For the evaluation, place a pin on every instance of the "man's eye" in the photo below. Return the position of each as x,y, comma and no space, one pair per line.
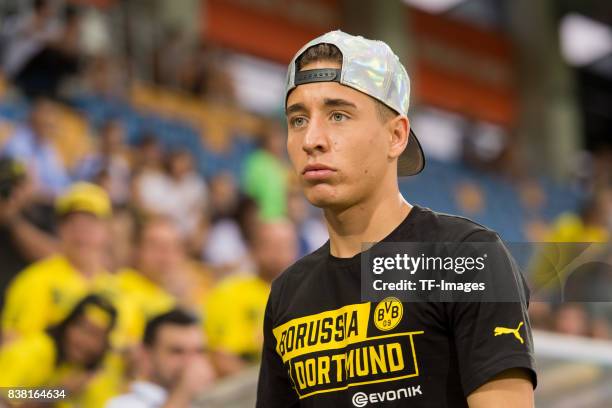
338,117
298,122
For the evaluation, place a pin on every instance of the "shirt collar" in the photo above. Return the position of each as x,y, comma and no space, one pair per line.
151,392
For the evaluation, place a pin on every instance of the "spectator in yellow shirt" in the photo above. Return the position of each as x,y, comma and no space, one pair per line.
548,266
163,274
43,293
144,284
73,356
234,313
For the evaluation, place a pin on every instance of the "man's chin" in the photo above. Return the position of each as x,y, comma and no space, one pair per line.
322,196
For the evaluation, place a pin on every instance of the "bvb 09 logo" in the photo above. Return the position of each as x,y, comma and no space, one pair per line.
388,313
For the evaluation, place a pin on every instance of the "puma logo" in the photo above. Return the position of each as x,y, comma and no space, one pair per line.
504,330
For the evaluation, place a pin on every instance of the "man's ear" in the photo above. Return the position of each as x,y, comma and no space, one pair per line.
398,128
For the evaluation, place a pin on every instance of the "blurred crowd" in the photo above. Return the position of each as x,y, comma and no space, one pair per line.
138,233
129,279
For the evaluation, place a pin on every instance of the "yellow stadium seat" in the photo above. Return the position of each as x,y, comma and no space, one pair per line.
215,123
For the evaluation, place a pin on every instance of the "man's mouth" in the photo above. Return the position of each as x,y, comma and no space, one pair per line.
317,172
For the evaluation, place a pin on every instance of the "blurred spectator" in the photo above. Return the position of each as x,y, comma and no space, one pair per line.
110,159
43,293
25,35
20,233
266,174
149,154
221,206
95,33
144,283
224,196
225,245
235,311
123,226
580,319
107,76
179,194
170,58
573,232
163,275
72,355
43,73
33,144
204,73
591,224
149,177
573,319
217,85
189,189
178,367
590,277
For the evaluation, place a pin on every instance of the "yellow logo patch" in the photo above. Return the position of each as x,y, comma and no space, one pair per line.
388,313
498,331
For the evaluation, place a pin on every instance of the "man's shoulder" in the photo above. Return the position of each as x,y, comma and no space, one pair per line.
248,285
434,226
131,280
54,266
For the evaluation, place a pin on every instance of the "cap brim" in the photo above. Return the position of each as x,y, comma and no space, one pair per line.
412,160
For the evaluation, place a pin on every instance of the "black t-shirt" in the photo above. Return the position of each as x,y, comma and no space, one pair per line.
322,348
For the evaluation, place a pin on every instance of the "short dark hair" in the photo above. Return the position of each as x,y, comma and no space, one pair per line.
37,5
331,53
147,139
71,12
176,317
143,223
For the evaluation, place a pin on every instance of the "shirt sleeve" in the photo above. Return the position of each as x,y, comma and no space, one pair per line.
274,388
491,337
27,305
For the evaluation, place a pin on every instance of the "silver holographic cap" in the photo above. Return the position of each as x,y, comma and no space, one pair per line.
371,67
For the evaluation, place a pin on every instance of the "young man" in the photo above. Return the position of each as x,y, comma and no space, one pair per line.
349,140
179,370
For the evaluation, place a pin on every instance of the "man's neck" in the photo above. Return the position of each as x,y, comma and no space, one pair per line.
88,266
364,223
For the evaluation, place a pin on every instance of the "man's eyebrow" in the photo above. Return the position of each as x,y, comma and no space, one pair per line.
338,103
327,102
296,107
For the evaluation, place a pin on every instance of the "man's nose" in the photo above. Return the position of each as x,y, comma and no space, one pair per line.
316,137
